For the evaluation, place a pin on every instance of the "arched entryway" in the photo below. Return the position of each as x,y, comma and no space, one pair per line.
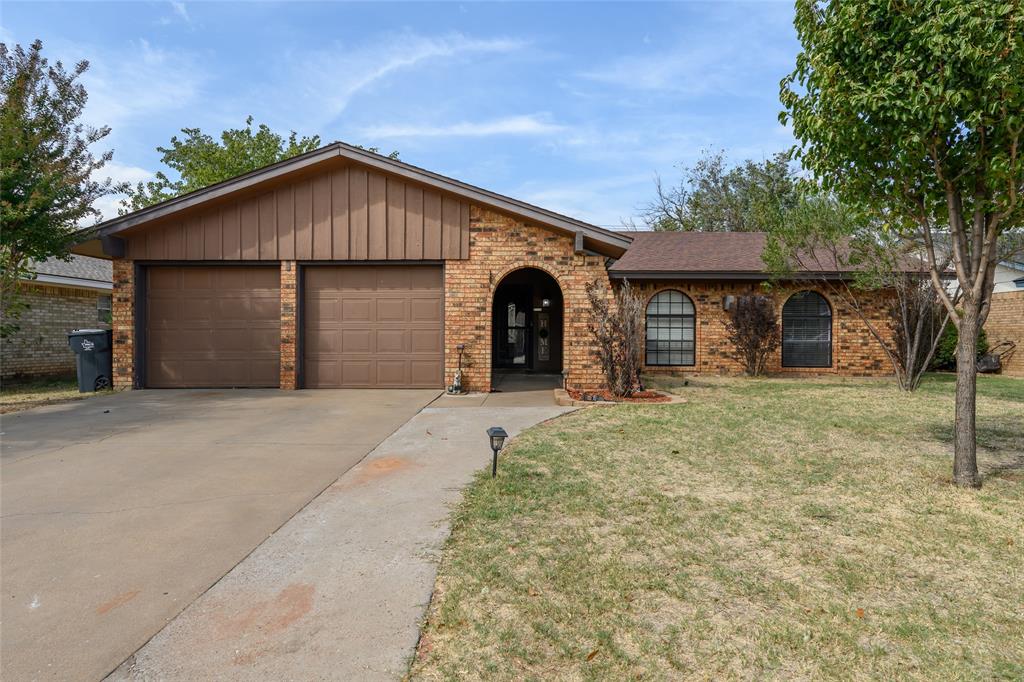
527,324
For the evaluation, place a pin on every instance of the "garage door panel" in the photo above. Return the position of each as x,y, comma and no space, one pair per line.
425,373
389,333
391,341
391,310
213,326
392,372
425,310
356,372
424,341
354,341
393,279
355,279
429,279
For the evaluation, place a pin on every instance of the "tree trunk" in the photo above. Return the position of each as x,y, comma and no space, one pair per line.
965,462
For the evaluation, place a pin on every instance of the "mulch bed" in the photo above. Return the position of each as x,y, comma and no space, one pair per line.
638,397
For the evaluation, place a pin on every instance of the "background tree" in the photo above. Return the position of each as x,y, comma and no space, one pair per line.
715,197
47,185
914,112
617,324
753,329
199,160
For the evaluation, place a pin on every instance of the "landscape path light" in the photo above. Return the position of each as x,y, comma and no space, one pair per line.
497,436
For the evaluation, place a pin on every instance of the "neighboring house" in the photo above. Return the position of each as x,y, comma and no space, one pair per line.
343,268
63,296
1006,318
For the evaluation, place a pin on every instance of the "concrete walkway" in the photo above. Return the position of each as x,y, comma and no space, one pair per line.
340,590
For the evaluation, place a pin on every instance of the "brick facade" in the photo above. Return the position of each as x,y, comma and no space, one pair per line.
289,319
500,245
855,352
1006,323
40,346
124,324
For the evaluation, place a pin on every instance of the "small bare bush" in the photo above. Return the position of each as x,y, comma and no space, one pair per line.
754,330
617,324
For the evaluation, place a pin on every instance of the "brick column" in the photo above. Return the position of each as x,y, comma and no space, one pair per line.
123,324
289,316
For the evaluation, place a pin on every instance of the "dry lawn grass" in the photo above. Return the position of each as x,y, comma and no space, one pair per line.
765,529
17,396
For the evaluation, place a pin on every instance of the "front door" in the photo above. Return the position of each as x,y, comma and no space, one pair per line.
514,327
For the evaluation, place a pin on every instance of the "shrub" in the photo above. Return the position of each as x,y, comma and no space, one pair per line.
754,330
945,354
618,327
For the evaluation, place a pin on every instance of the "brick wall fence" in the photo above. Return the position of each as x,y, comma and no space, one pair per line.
855,352
1006,323
500,245
40,347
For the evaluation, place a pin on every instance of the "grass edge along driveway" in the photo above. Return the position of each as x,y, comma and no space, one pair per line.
766,528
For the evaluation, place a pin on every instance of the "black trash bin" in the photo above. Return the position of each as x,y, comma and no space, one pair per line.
94,353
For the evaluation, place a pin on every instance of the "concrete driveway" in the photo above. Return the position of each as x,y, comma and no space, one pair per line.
119,511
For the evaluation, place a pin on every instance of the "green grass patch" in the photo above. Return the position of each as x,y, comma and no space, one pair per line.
794,529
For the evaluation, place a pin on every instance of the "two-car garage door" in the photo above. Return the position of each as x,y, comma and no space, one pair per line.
363,326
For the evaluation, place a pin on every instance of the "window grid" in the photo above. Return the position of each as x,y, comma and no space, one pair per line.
806,331
671,330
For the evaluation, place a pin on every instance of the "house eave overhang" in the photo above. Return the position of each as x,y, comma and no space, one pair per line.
96,240
72,282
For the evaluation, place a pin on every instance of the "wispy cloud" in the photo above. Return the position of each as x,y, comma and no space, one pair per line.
324,81
182,11
510,125
131,83
720,61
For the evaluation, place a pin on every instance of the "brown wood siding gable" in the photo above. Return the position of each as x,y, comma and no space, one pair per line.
343,214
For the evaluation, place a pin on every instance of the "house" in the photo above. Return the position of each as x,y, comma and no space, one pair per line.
343,268
64,295
1006,318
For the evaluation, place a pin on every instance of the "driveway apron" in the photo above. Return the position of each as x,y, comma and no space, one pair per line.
119,511
340,590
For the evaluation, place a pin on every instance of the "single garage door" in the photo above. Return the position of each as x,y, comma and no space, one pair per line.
213,326
378,326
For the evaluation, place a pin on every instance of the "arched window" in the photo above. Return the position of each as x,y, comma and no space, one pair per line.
671,325
806,331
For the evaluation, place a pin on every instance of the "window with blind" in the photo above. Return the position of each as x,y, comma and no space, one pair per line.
671,329
806,331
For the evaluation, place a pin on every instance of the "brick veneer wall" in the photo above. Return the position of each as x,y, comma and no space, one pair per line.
123,315
40,347
500,245
289,320
855,352
1006,323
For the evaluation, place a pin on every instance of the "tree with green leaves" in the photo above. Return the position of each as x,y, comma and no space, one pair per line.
48,174
822,239
913,112
713,196
199,160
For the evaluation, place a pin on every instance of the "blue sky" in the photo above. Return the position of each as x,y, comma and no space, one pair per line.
575,107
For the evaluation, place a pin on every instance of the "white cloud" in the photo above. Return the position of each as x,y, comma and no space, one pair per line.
510,125
108,206
130,84
182,11
323,82
604,201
